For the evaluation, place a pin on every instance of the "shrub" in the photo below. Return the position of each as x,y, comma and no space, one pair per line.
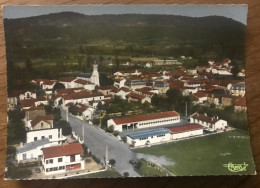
112,162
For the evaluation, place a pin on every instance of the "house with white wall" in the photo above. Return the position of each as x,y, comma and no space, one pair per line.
54,135
68,82
30,152
209,123
24,95
64,158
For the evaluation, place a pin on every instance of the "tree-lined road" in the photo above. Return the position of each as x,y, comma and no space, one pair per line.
96,140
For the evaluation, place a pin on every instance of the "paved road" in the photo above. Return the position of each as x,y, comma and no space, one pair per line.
96,140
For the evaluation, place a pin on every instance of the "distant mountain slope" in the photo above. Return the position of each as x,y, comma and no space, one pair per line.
70,30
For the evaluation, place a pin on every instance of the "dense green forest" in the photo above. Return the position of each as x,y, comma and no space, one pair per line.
59,33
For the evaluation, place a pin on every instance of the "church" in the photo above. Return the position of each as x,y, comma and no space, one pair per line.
91,77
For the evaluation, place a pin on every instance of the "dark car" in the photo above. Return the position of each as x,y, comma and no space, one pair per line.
37,170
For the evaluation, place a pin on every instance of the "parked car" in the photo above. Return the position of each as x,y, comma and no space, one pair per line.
37,170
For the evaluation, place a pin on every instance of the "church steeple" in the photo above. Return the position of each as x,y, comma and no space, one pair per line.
95,75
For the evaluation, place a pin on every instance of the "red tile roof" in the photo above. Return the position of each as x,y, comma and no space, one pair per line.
45,81
106,87
147,117
200,94
28,102
35,108
135,96
67,79
82,95
81,107
64,150
241,101
128,71
144,89
38,119
185,128
67,90
204,118
83,82
124,89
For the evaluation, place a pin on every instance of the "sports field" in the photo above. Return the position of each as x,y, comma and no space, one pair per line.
206,155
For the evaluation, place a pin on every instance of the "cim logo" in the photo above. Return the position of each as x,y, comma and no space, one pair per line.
236,167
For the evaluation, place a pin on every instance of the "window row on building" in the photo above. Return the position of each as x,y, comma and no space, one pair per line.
162,121
55,168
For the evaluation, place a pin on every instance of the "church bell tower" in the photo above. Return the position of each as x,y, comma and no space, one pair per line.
95,75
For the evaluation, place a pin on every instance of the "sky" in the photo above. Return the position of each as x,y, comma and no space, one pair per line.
235,12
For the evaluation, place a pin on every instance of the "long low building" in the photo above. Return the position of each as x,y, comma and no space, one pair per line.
150,136
185,131
161,135
144,121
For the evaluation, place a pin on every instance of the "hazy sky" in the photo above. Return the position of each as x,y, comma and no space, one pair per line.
236,12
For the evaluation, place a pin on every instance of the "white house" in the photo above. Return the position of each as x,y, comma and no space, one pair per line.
68,82
82,97
144,121
147,137
44,83
238,89
128,73
122,92
209,123
41,101
185,131
119,82
85,84
24,95
87,114
60,159
201,97
41,122
54,135
137,98
31,151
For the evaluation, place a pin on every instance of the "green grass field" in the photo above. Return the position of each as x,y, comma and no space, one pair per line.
148,170
206,155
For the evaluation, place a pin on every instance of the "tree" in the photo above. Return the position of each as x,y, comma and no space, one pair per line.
88,61
101,58
124,139
112,162
110,129
28,65
117,63
48,109
73,110
155,99
15,128
235,70
99,106
58,85
66,129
